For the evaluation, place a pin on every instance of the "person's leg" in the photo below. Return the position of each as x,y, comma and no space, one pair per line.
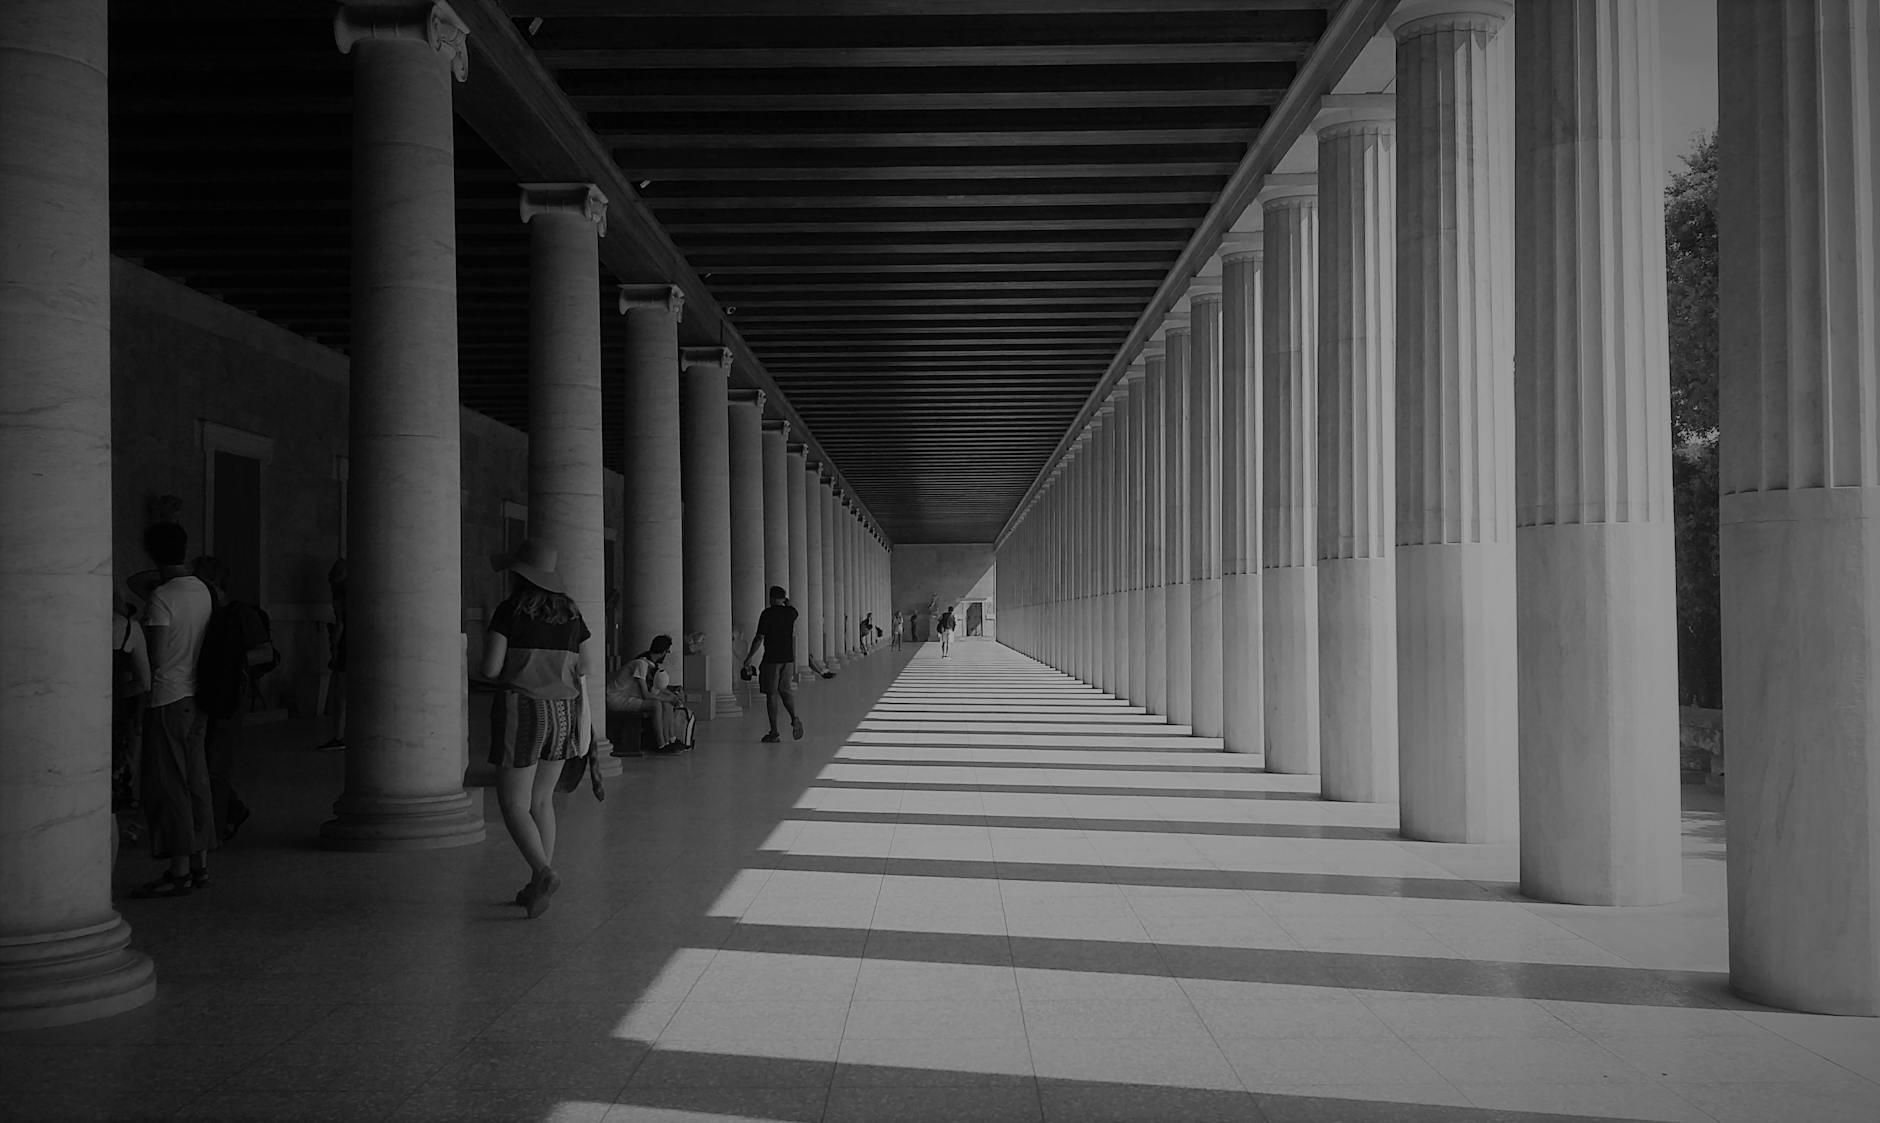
202,819
770,708
786,690
542,806
165,799
662,723
515,796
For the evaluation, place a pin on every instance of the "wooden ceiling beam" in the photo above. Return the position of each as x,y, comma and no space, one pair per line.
661,9
656,142
919,57
706,101
1103,196
643,167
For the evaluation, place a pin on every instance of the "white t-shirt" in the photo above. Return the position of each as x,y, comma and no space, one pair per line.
181,607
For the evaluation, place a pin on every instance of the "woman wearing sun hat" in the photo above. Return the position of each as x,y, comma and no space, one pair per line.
539,719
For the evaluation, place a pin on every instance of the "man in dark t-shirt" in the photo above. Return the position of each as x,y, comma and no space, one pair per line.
776,631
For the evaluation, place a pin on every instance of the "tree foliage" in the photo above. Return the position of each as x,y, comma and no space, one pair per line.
1691,306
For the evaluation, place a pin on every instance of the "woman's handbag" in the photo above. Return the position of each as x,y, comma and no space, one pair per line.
572,768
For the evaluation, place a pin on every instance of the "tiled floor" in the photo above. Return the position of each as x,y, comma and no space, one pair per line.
977,891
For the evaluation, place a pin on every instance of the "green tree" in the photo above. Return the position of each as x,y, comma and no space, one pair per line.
1691,306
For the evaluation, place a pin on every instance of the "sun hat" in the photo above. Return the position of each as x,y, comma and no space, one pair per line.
534,562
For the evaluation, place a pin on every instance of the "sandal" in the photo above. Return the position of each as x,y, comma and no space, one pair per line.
199,879
169,885
770,738
539,891
796,728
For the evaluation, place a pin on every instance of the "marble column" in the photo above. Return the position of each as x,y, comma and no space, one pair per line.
744,416
566,474
1103,518
1204,500
844,635
1154,641
1243,690
1175,435
777,507
1357,453
406,732
1800,391
705,445
652,526
831,585
1455,423
1595,594
65,953
1289,585
810,624
1117,547
1138,594
796,511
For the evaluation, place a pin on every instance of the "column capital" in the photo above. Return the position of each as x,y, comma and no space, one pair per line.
1346,114
739,396
1423,17
1243,245
1293,189
778,425
793,448
583,199
718,358
436,24
669,297
1203,290
1134,372
1177,319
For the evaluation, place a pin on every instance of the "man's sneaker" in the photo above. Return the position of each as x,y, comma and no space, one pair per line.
770,738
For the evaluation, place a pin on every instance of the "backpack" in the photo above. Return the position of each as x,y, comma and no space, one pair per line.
237,647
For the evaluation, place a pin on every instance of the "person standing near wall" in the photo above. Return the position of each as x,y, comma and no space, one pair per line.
178,808
900,622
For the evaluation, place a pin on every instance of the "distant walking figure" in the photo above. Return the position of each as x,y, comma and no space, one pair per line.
947,626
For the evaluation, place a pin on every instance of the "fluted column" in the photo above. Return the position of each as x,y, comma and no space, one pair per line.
1155,596
1289,582
652,525
1595,591
810,624
777,508
1122,514
831,582
1204,500
1175,389
1800,312
1243,711
1357,454
1103,527
405,734
706,447
796,515
64,952
1137,595
566,470
744,416
1455,424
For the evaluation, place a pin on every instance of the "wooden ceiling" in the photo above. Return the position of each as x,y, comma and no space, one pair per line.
933,224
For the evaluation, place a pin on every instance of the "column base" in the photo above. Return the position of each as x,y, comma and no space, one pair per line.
403,823
725,704
61,978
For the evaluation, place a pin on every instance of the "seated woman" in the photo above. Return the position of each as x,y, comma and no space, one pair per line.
639,688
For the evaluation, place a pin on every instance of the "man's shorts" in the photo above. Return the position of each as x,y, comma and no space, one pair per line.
776,678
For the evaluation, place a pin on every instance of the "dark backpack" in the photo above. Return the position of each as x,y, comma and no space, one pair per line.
237,646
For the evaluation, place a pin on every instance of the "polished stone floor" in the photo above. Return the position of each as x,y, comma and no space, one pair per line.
975,891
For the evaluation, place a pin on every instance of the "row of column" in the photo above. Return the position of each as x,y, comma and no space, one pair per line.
1367,549
719,503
